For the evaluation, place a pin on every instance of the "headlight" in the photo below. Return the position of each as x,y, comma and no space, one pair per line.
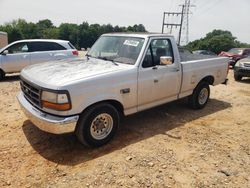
55,101
239,64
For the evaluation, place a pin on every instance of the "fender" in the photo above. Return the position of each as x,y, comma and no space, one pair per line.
96,99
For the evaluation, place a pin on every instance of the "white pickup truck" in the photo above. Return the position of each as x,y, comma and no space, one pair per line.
122,74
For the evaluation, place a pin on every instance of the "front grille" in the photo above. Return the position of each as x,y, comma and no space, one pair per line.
246,65
31,93
244,71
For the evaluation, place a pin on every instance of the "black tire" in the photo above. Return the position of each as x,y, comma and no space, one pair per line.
237,77
93,118
200,96
2,74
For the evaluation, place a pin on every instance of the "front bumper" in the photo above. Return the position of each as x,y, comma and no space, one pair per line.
46,122
242,71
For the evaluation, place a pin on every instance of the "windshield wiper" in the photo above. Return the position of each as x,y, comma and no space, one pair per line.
106,59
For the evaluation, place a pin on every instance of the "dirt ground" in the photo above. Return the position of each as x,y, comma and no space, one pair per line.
168,146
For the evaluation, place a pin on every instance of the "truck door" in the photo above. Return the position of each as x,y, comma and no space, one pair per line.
17,58
158,84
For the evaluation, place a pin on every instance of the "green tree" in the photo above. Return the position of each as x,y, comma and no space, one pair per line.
46,29
216,41
13,31
83,35
136,28
84,41
44,24
51,33
28,30
69,32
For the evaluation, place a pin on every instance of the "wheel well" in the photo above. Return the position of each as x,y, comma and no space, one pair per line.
208,79
1,70
3,74
114,103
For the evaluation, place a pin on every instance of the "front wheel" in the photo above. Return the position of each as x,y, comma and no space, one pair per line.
237,77
200,96
98,125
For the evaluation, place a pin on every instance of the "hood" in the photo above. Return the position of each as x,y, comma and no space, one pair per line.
227,54
245,60
59,73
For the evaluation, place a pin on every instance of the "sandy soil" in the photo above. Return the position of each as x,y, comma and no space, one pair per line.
168,146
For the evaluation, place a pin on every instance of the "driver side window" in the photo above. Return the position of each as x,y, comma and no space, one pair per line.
157,49
18,48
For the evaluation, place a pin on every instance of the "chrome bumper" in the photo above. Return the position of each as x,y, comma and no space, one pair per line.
47,122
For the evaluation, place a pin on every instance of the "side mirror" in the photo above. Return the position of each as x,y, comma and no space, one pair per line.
5,52
166,60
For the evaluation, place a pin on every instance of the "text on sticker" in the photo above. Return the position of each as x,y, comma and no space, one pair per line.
131,43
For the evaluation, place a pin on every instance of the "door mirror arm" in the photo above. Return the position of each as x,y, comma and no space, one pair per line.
155,67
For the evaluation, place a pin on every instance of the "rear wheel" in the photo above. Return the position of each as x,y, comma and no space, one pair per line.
200,96
98,125
2,74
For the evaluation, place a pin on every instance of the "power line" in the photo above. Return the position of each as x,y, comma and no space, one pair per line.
206,9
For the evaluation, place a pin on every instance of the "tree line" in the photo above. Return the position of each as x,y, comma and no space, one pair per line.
81,36
217,41
84,35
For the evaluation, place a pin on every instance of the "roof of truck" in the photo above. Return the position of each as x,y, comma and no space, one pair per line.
140,35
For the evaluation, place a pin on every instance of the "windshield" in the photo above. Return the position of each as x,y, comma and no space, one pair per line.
117,49
235,51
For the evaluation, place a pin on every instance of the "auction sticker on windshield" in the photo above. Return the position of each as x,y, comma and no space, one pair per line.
131,43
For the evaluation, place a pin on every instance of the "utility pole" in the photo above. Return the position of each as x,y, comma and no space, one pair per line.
187,5
183,24
172,25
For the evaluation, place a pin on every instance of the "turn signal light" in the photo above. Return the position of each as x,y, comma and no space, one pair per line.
54,106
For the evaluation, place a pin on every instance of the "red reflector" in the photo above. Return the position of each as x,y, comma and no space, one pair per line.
75,52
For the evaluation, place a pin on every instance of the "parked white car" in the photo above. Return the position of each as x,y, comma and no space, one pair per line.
122,74
19,54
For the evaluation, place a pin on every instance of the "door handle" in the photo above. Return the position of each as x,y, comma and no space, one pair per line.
176,70
156,81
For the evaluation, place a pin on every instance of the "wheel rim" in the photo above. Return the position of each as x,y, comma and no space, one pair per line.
203,96
101,126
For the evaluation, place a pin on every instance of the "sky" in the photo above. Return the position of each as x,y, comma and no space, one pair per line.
207,15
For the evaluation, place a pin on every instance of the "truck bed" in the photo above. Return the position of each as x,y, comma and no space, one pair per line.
197,67
190,57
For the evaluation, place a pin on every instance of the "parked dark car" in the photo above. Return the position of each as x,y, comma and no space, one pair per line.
203,52
235,54
242,69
